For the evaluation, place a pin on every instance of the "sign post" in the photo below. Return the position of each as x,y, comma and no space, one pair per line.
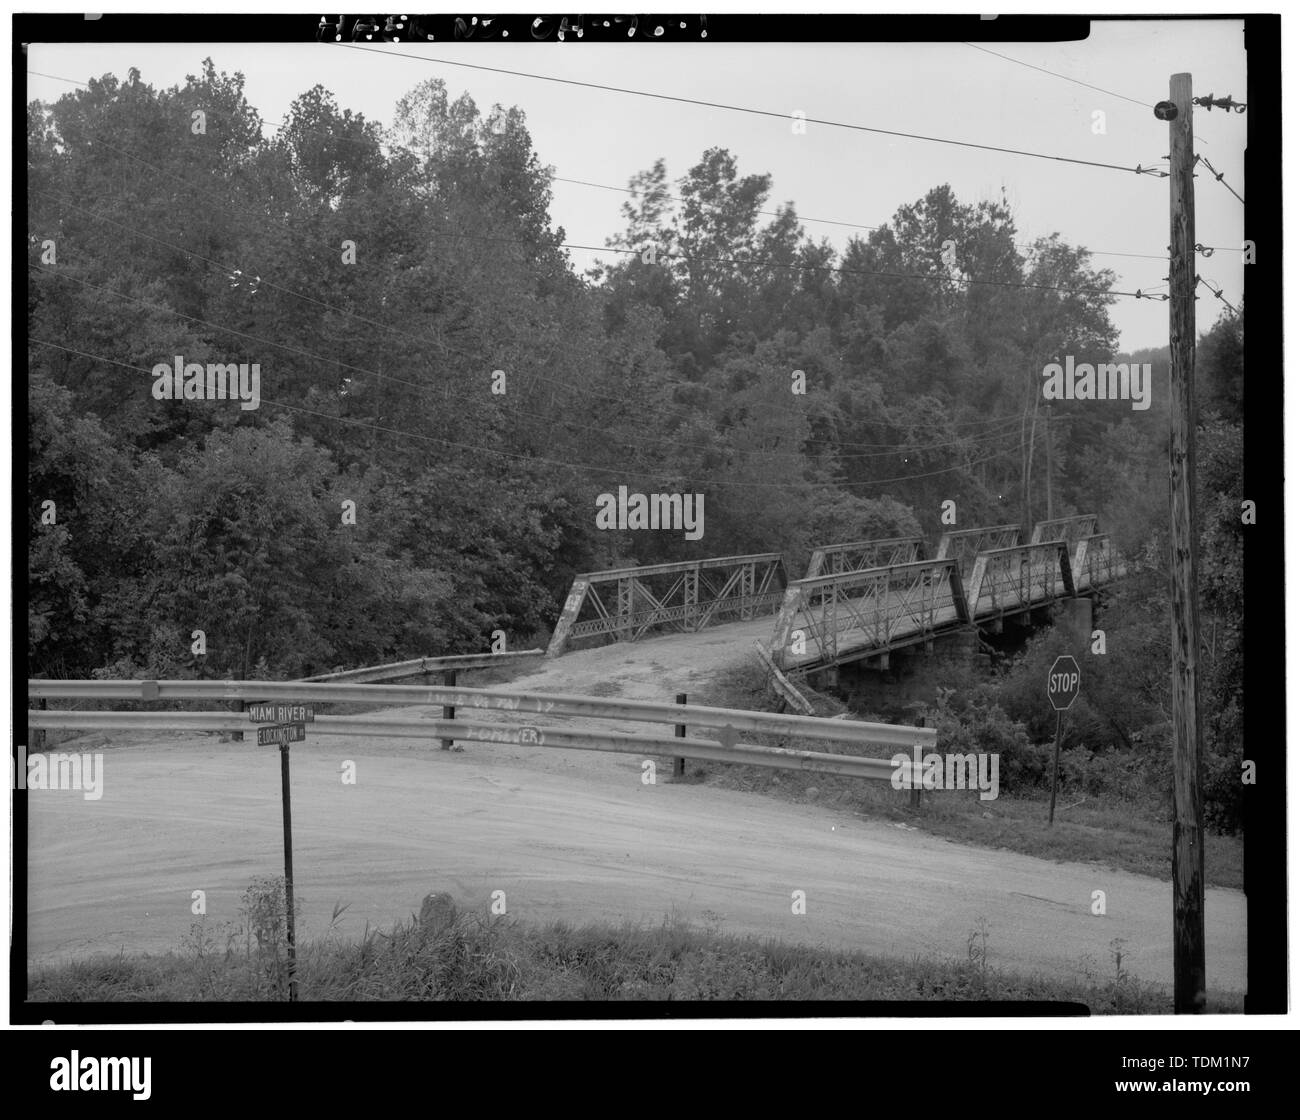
1062,691
285,724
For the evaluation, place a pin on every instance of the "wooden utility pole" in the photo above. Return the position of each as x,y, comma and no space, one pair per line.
1189,844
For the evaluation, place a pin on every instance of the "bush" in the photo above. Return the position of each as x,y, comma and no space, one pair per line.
1221,792
978,725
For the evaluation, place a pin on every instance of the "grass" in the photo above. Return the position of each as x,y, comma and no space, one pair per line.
1125,836
476,958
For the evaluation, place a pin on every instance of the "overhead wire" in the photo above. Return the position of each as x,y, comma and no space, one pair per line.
721,260
438,342
226,268
625,190
763,112
620,472
1063,77
675,444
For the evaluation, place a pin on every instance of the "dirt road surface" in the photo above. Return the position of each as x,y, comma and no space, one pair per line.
567,835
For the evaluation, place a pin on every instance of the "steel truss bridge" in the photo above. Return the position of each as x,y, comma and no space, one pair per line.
859,599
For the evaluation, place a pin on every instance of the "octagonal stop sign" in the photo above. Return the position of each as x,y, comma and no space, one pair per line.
1063,682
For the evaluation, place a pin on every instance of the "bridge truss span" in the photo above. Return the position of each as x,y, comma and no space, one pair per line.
1068,529
1095,562
1014,580
964,545
858,556
836,618
624,603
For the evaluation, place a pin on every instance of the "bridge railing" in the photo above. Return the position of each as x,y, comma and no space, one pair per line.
824,618
963,545
624,603
728,722
857,556
1095,561
1068,529
1010,580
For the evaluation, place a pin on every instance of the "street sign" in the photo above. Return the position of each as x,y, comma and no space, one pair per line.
283,724
281,734
281,713
1063,682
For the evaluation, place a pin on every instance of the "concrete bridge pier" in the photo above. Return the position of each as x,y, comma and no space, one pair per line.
960,649
823,680
1076,617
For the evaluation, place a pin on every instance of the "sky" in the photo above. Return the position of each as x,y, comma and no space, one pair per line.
947,91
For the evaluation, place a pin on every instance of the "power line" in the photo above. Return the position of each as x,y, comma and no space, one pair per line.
443,345
1139,170
895,450
1218,294
63,275
755,263
615,471
1054,74
227,269
447,347
57,78
1218,175
905,447
675,198
627,190
854,271
829,221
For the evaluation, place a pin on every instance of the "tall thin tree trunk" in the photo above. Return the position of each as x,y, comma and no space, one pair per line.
1027,464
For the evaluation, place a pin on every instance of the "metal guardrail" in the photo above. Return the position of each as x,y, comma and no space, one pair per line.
687,595
420,666
858,556
537,736
520,703
837,616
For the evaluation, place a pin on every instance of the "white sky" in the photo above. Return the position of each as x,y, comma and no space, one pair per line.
950,91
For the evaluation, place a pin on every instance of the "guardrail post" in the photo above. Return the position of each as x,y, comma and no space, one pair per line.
914,796
679,764
38,741
238,736
448,710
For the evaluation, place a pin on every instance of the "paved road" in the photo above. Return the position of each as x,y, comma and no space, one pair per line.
567,835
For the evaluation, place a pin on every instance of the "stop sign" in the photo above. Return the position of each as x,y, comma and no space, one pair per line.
1063,682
